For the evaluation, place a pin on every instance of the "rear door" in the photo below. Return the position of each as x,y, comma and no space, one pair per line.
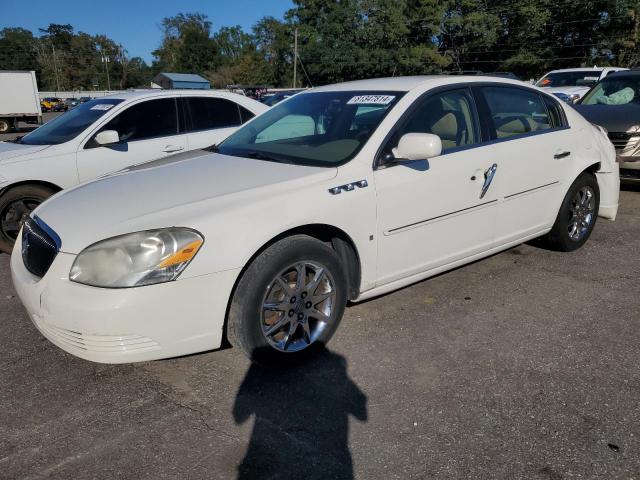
148,130
210,120
531,143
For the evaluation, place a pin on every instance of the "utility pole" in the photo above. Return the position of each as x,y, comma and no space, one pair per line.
295,57
55,66
105,60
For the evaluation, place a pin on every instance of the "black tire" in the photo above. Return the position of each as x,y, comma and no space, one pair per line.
32,196
246,318
6,125
559,238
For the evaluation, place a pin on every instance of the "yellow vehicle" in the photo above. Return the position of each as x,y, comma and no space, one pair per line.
48,104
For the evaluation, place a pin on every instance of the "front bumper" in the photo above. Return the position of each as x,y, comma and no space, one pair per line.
124,325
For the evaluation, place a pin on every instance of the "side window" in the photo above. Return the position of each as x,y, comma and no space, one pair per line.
150,119
516,111
209,113
450,115
555,112
245,115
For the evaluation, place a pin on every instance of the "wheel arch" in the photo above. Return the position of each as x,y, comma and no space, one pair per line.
22,183
337,238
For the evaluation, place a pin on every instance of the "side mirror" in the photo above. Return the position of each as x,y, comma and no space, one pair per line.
107,137
417,146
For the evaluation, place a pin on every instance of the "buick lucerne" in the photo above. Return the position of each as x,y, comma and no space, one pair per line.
337,194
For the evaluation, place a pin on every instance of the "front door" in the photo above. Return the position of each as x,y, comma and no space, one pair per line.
148,130
434,212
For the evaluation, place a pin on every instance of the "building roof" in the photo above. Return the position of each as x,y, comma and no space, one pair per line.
183,77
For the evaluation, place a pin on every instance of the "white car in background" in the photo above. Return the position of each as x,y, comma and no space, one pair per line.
108,134
571,84
265,239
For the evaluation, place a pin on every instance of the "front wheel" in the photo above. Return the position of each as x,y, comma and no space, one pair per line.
5,125
15,206
289,301
577,215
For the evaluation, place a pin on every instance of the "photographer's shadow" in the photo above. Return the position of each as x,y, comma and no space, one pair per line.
301,425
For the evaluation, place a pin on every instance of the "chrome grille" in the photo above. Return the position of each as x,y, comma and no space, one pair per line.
40,246
624,142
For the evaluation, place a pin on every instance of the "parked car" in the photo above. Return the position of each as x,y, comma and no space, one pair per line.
614,103
71,103
109,134
274,98
264,239
48,104
574,82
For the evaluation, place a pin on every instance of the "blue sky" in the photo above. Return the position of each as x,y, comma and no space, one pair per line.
134,23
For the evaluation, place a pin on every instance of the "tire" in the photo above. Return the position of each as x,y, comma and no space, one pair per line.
5,125
575,220
301,325
14,204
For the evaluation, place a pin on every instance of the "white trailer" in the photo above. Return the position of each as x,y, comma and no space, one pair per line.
19,100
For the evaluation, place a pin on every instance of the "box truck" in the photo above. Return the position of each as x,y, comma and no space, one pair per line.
19,100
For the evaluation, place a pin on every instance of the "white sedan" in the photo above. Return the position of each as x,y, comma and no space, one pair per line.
108,134
339,193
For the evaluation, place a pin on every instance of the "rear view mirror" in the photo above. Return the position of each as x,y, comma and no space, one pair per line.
417,146
107,137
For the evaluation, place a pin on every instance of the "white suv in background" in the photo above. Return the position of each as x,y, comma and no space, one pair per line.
106,135
571,84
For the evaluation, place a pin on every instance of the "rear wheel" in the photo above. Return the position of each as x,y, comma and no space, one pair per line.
289,301
5,125
577,216
15,207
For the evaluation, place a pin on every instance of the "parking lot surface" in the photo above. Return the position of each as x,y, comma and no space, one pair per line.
522,365
24,128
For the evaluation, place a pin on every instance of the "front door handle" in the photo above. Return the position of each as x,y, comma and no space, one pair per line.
489,173
172,148
560,155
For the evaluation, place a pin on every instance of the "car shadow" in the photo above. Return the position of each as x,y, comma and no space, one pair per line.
301,426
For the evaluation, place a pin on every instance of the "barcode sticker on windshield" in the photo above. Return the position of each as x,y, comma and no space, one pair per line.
102,106
592,78
371,100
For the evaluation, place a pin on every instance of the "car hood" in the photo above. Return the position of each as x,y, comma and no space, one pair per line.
567,90
615,118
10,151
183,190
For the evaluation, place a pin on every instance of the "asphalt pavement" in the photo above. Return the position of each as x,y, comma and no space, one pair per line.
524,365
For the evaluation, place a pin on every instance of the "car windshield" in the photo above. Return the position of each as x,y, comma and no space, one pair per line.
71,124
320,129
614,91
580,78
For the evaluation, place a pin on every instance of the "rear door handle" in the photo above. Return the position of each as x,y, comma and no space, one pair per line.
172,148
488,178
560,155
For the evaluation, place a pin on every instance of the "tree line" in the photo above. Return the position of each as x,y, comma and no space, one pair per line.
342,40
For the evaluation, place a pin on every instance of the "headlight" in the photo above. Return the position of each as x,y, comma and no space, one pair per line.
136,259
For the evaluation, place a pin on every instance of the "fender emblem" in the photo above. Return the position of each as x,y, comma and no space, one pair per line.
348,187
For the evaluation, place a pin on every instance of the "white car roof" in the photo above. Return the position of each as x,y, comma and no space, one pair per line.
157,93
405,84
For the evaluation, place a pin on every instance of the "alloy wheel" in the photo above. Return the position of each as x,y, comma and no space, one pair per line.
581,213
297,306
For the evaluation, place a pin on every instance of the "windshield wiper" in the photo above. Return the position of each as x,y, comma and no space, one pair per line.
213,148
263,156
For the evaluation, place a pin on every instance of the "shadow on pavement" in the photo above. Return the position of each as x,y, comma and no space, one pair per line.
301,427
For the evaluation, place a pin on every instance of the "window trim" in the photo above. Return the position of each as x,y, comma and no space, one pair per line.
483,116
90,143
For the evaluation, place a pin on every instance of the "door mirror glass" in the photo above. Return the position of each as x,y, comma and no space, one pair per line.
107,137
418,146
